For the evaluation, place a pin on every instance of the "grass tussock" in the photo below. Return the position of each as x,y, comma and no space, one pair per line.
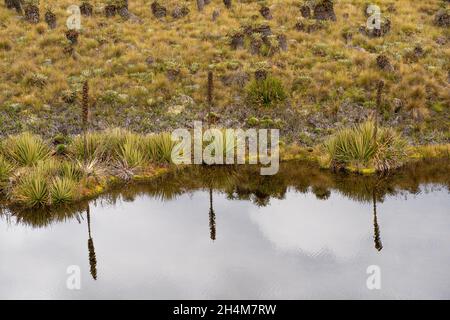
34,175
32,190
159,147
130,153
46,178
62,190
356,148
25,149
267,93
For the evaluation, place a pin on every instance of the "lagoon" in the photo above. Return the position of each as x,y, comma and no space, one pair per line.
229,233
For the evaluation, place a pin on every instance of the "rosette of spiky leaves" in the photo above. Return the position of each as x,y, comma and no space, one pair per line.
130,154
26,149
32,190
158,147
356,147
62,190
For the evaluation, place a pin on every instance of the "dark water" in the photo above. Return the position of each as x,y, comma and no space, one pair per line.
231,233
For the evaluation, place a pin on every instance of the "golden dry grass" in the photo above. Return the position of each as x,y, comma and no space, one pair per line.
36,74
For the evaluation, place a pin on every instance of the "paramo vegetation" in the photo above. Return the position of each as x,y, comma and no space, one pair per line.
147,63
39,173
308,68
34,172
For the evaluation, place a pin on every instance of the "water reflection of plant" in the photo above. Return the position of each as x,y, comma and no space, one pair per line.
91,248
245,183
41,218
376,227
212,216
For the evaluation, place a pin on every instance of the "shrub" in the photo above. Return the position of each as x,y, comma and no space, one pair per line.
60,139
61,149
355,147
267,93
26,149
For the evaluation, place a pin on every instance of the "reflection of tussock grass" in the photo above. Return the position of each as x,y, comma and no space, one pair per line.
245,183
115,156
41,218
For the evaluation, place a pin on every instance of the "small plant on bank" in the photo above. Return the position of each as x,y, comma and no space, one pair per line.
267,92
159,147
48,167
356,149
92,169
130,153
62,190
71,171
26,149
89,146
32,190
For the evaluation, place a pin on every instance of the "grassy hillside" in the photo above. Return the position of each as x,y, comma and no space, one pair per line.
149,74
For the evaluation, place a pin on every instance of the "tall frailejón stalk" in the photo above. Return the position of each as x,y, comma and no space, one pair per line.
210,94
380,86
85,114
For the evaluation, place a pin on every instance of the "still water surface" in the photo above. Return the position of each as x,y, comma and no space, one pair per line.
229,234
